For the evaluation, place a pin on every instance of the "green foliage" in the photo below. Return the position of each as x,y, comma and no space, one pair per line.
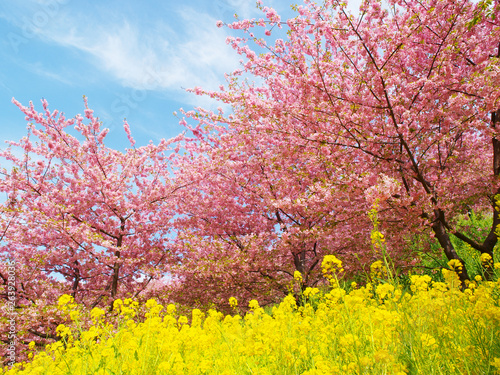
474,225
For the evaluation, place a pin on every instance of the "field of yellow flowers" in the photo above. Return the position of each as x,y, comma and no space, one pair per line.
381,328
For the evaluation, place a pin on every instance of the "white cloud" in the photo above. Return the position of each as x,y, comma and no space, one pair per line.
185,51
39,69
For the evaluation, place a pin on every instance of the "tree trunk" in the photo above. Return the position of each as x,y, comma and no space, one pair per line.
76,280
444,240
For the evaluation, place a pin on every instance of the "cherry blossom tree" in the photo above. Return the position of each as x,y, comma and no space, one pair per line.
254,216
332,114
397,105
81,218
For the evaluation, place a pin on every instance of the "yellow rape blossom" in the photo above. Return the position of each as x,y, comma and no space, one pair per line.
117,304
253,304
370,329
182,320
428,341
96,313
63,330
486,260
384,290
331,267
455,265
496,363
377,238
233,302
66,302
451,278
420,282
74,315
171,309
378,270
297,276
309,292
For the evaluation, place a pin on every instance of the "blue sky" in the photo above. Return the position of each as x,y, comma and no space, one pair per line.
131,59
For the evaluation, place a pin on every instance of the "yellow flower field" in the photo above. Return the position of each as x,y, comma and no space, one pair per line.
381,328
